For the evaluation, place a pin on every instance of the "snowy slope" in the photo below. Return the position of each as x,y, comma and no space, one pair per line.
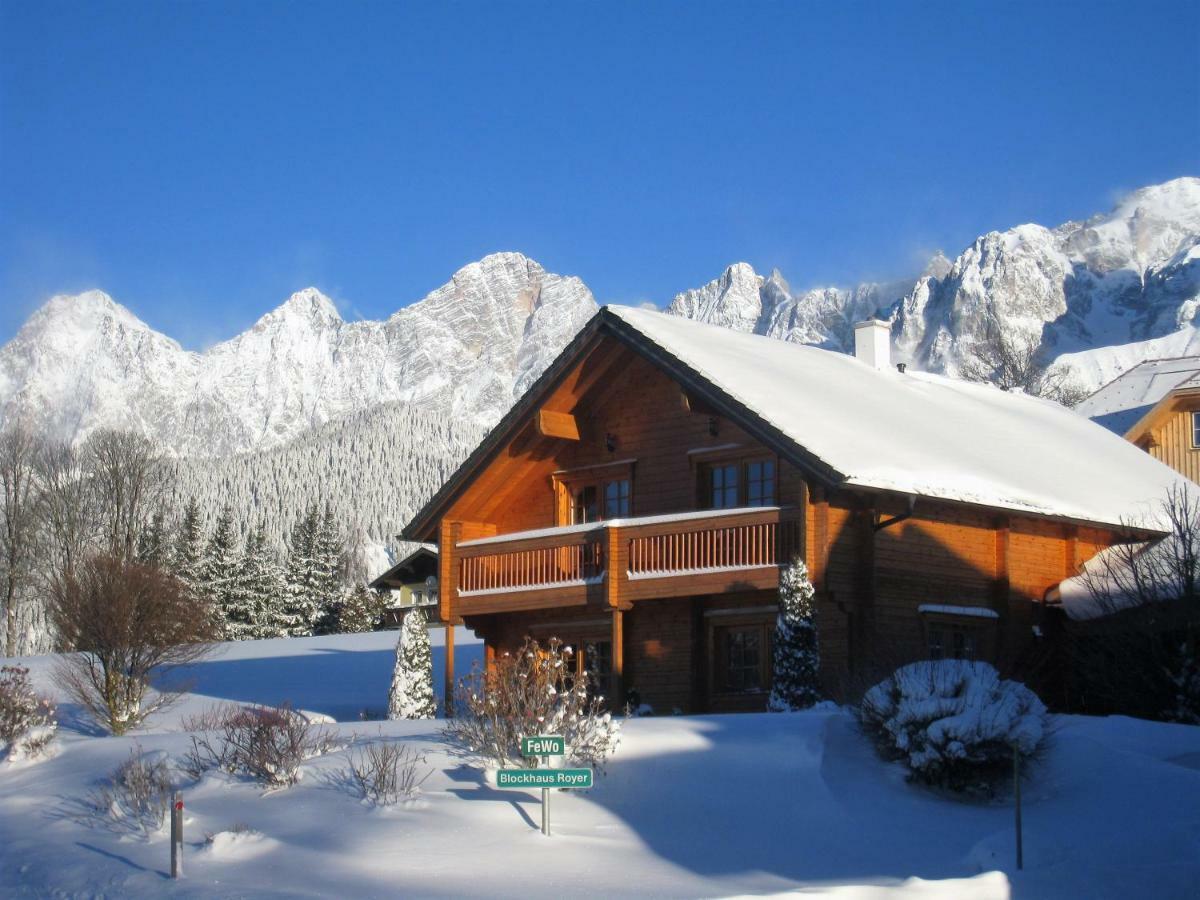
467,348
705,806
1128,276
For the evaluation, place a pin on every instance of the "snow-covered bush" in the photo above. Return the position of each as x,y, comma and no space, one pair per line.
386,772
797,657
411,695
137,795
533,691
954,723
27,722
266,743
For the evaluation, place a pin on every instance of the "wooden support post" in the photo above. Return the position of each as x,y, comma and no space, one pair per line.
449,701
617,689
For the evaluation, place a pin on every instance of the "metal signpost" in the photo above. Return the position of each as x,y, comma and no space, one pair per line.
542,747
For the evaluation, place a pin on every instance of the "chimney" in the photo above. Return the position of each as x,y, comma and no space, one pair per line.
872,343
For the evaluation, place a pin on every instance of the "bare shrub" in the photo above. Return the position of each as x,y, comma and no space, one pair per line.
137,794
1136,646
534,691
386,772
125,622
209,719
267,744
27,722
1019,363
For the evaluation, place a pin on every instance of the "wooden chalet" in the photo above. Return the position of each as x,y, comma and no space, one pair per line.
408,584
639,500
1155,405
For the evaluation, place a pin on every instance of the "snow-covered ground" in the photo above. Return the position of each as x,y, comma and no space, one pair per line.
691,806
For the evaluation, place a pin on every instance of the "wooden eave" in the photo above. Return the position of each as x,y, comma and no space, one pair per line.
1175,401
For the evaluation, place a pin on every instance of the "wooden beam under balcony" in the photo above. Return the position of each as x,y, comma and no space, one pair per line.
557,425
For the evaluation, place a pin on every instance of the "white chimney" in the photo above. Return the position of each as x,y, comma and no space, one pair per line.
872,343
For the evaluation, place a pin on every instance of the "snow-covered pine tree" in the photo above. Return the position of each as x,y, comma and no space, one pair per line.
797,658
360,610
189,544
153,541
327,555
411,696
219,567
257,594
302,605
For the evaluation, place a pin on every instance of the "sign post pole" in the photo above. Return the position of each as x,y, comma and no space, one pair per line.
546,802
1017,797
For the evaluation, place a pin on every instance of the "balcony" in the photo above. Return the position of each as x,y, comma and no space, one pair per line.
623,560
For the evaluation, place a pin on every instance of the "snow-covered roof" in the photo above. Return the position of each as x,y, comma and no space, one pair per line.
918,433
1104,583
1122,403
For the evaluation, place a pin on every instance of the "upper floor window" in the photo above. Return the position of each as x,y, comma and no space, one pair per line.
723,486
1196,431
616,498
594,493
734,484
583,504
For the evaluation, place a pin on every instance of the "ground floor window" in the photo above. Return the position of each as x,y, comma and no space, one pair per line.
743,656
951,633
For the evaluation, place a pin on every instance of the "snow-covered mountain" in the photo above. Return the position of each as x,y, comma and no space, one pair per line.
82,362
1083,291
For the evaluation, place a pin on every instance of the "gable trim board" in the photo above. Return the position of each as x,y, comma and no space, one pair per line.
941,456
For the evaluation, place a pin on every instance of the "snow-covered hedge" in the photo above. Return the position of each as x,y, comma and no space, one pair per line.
954,723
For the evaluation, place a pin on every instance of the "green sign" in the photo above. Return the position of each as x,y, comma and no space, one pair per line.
543,745
544,778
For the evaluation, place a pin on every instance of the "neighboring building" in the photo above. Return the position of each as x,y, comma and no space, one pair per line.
1155,405
409,584
638,501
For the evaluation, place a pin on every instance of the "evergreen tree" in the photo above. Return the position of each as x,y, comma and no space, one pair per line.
189,545
303,597
327,559
411,696
797,652
361,610
219,567
152,549
258,593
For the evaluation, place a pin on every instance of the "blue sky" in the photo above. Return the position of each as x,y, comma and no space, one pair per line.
202,160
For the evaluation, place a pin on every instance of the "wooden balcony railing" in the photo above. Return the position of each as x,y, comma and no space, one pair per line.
748,546
535,568
721,549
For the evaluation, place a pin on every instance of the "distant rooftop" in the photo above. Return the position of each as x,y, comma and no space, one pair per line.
1121,403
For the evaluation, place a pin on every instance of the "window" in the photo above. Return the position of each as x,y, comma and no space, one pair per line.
1196,430
742,654
733,484
583,506
723,487
616,498
597,662
952,641
760,483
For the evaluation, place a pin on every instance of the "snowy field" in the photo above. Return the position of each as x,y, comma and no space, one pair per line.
691,806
